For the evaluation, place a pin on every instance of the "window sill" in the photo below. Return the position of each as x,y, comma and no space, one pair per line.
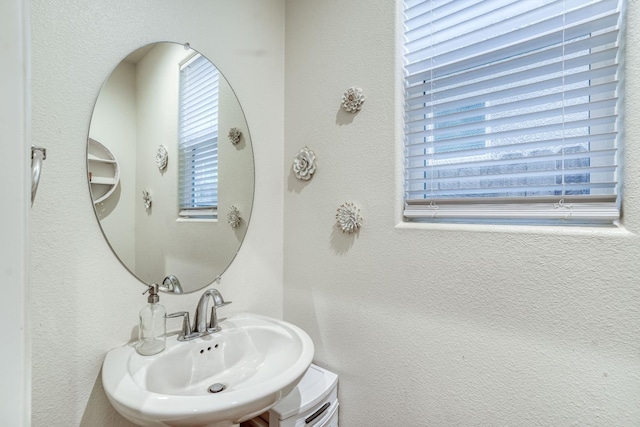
196,219
570,230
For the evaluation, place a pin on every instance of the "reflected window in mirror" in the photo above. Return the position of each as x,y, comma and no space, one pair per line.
198,138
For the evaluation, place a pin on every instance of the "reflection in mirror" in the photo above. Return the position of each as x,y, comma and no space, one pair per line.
160,133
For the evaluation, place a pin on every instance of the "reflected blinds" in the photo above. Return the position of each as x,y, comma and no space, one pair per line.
198,135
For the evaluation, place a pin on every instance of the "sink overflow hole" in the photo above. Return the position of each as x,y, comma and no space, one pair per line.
216,388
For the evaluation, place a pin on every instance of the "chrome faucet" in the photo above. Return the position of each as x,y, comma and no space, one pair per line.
200,325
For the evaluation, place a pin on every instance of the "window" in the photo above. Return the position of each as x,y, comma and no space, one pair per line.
512,110
198,138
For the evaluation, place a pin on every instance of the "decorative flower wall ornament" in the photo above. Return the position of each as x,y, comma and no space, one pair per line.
353,99
304,164
348,218
234,135
146,199
233,217
162,156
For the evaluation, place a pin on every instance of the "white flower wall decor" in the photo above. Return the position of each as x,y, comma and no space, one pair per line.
234,135
348,218
146,199
352,100
162,156
304,164
233,217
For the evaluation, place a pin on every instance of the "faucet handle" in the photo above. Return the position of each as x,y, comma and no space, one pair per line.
218,300
185,333
213,325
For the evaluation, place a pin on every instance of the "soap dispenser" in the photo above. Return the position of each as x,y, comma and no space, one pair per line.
153,325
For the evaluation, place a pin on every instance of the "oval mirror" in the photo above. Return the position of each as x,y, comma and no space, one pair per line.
170,167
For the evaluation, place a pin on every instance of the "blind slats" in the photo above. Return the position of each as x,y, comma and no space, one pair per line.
423,116
202,178
474,165
512,100
581,53
445,133
517,172
506,151
503,190
488,28
476,56
199,107
198,136
551,82
206,158
516,133
498,20
442,61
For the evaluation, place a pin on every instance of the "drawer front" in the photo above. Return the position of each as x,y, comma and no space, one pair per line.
333,418
316,416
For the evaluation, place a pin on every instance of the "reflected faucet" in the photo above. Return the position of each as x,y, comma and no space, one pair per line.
171,284
201,326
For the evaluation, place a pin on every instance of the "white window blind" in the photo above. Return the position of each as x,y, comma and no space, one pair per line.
512,110
198,138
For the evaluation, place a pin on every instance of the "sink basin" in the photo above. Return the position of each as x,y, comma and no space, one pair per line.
217,380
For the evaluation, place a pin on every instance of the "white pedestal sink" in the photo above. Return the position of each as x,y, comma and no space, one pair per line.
217,380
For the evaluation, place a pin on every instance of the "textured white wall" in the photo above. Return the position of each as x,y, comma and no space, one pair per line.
440,325
83,301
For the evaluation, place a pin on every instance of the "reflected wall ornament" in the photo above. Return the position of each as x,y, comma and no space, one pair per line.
348,218
233,217
304,164
234,135
146,199
161,157
352,100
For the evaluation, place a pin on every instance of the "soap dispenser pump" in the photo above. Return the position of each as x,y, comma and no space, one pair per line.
153,325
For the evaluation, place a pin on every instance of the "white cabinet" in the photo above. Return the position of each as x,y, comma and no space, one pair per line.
313,403
104,174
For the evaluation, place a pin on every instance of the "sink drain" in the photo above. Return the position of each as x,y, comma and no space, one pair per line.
216,388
